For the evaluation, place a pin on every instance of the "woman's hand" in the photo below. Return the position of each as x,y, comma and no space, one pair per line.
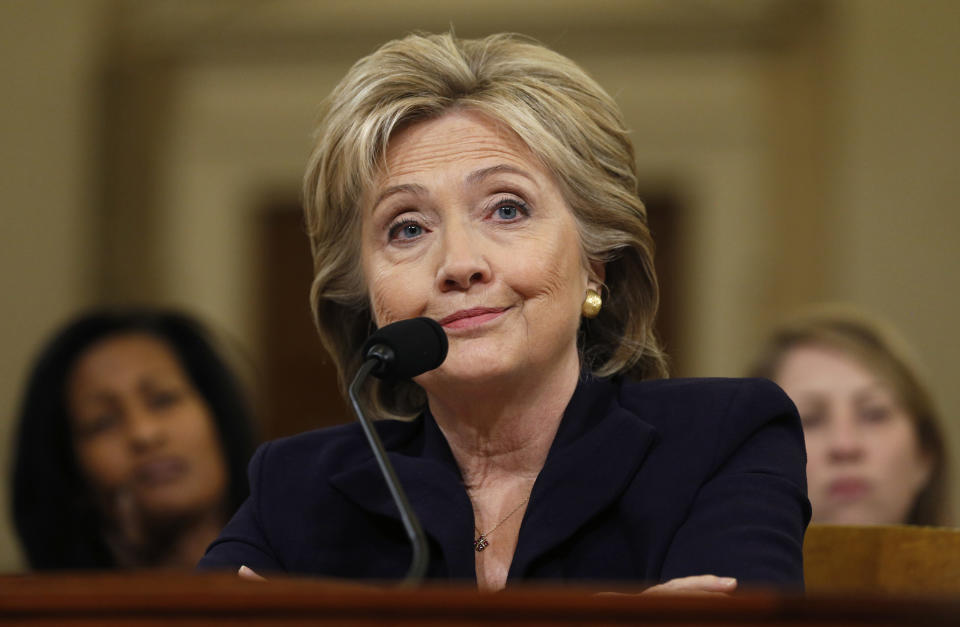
705,585
248,573
125,532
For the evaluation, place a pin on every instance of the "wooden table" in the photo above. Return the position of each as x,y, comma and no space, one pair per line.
205,599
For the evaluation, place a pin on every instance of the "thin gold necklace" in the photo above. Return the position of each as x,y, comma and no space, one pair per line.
481,542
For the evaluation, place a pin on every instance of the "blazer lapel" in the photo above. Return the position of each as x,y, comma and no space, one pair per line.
434,488
598,450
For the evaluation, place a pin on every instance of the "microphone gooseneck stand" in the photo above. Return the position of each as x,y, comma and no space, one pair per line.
421,552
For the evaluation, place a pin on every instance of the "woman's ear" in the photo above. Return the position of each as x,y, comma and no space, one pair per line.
597,274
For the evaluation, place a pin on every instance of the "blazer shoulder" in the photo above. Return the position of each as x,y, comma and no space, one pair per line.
706,393
676,405
733,422
340,445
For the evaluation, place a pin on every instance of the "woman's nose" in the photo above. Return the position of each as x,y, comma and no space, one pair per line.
144,429
845,442
463,263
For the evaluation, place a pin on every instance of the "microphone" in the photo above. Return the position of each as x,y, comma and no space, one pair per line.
401,350
406,349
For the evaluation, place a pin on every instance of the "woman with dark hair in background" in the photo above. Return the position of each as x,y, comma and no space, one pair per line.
132,444
876,452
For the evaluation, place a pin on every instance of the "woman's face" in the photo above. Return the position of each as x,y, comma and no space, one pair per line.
864,463
145,439
468,228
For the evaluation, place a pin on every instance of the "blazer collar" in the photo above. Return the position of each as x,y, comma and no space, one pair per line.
426,468
598,449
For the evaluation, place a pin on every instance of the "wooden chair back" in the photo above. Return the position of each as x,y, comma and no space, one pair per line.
882,559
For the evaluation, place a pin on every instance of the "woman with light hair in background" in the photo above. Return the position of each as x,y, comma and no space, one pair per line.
491,186
876,452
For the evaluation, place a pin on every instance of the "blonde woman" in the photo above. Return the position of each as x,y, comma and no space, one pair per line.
876,453
490,185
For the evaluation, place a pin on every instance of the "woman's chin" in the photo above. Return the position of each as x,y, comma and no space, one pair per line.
161,504
482,367
859,516
477,373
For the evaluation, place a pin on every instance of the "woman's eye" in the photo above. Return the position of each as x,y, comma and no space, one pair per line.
510,210
875,414
407,229
99,424
412,230
811,420
163,400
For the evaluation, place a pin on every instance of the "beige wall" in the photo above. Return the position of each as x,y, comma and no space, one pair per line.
811,144
896,176
48,52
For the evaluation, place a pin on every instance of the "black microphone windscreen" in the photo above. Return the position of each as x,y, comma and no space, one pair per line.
418,345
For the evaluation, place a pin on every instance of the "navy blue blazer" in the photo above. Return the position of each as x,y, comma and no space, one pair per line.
644,482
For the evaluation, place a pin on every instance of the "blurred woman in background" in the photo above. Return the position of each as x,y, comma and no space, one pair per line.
132,444
876,452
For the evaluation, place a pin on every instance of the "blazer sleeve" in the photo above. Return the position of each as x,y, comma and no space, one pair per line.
748,518
243,541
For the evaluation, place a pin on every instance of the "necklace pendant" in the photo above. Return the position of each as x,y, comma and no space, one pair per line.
480,543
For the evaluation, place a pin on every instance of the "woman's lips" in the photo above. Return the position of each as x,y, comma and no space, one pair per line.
160,471
466,318
848,489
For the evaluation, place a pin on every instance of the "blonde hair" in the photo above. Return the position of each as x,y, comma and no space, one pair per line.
566,120
877,347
